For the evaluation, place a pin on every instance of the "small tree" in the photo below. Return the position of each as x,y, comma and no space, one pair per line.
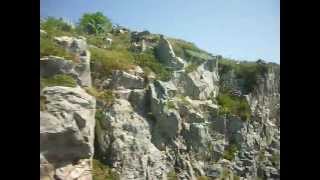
95,23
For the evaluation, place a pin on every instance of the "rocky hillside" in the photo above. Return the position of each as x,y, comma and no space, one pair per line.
136,105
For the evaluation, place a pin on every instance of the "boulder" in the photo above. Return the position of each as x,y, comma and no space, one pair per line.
67,132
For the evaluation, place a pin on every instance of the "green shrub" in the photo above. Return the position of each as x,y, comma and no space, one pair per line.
104,61
101,171
234,105
43,103
147,60
235,177
121,41
203,178
49,47
58,80
100,115
95,23
56,27
275,159
248,71
96,40
191,67
105,96
170,104
261,156
229,152
188,51
172,175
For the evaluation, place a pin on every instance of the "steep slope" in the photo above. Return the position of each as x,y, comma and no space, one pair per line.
158,115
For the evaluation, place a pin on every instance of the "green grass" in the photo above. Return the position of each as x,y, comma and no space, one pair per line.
101,171
203,178
43,103
105,96
170,104
49,47
248,71
104,61
235,177
57,27
191,67
148,61
229,152
188,51
58,80
261,156
172,175
184,100
275,159
234,105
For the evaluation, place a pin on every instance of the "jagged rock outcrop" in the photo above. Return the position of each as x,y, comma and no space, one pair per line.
124,137
166,54
79,67
202,83
66,133
154,128
121,79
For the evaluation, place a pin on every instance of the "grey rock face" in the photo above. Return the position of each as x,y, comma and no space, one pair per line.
52,65
80,70
126,80
166,54
126,135
201,84
156,127
67,133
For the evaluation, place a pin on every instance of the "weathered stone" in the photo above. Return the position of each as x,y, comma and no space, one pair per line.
127,136
67,131
166,54
126,80
203,83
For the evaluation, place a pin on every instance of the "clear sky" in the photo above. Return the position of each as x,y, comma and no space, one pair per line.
240,29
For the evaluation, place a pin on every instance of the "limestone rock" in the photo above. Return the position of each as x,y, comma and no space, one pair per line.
127,136
67,132
126,80
79,68
166,54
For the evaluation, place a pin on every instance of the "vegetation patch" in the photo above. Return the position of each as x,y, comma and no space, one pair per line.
58,80
101,171
261,156
105,96
172,175
104,61
148,61
248,71
43,106
49,47
234,105
95,23
57,27
275,159
188,51
203,178
191,67
170,104
229,152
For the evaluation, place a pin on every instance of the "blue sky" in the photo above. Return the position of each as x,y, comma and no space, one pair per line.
240,29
